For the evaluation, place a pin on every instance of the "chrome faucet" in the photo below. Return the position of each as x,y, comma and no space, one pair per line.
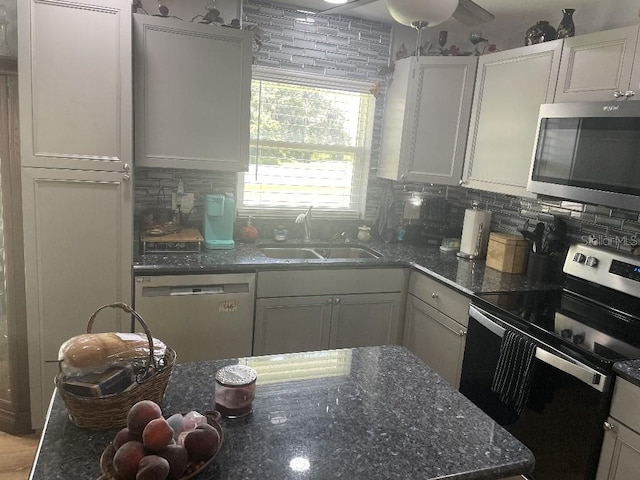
305,218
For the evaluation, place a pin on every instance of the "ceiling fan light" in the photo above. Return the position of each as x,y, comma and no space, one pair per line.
420,13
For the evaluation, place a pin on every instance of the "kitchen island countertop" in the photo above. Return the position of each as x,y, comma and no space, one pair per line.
467,276
365,413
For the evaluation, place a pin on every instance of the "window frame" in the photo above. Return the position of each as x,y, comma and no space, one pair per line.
305,79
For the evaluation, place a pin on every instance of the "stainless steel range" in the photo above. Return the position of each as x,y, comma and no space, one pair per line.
559,378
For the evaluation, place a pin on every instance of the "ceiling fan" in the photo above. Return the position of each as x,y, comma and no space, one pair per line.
424,13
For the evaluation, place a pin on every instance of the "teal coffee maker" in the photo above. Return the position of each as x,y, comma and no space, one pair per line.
219,215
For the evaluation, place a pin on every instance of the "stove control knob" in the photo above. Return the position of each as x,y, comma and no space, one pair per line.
579,257
591,261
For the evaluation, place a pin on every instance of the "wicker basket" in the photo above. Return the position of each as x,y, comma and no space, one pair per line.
110,411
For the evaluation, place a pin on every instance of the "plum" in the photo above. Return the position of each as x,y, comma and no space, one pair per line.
178,459
127,459
142,413
157,435
202,442
153,467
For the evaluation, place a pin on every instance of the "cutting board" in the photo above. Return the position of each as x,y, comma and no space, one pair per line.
186,235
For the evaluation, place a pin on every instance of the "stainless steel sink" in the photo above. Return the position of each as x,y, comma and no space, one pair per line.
347,252
290,252
319,252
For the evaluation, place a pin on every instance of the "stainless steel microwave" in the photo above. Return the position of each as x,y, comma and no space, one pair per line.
589,152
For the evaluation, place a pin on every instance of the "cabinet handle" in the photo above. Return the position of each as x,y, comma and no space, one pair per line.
618,94
337,300
126,167
434,295
462,333
629,93
330,300
609,427
461,182
126,177
403,176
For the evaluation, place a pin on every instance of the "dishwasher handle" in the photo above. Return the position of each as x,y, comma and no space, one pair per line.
203,290
570,366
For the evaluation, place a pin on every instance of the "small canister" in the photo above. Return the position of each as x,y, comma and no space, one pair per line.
235,390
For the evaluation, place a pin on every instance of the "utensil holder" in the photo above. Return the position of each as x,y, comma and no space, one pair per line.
538,267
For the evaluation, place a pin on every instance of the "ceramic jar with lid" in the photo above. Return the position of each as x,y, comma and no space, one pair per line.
235,390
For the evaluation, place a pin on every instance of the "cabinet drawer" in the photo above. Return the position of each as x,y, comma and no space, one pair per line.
440,297
293,283
625,405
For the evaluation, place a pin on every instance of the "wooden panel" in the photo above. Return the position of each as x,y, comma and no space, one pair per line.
291,283
366,320
78,231
625,404
435,338
438,130
620,455
285,325
440,297
75,88
593,66
510,87
192,94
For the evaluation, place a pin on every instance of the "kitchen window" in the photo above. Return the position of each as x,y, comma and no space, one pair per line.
310,142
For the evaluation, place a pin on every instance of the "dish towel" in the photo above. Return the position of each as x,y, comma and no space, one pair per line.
512,378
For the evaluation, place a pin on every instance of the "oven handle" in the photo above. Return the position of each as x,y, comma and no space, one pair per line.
572,367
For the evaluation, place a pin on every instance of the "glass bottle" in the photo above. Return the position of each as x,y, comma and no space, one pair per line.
567,27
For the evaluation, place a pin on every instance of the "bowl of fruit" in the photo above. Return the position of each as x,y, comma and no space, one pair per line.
155,447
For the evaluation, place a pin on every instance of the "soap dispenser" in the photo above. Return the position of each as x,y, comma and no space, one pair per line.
249,233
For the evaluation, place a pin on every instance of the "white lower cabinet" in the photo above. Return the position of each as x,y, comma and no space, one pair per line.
323,309
620,455
436,326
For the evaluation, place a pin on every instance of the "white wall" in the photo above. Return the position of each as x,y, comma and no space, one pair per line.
510,32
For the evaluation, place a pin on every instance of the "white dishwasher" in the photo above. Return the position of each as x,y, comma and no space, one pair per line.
202,317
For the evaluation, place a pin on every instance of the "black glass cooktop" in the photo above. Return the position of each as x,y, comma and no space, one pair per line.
599,327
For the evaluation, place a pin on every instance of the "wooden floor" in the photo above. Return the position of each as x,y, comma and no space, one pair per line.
16,455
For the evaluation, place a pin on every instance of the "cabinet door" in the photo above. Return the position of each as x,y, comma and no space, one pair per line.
435,338
295,324
78,249
510,87
75,84
366,320
427,119
192,94
620,454
596,65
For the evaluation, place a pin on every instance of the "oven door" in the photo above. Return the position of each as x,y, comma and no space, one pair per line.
567,404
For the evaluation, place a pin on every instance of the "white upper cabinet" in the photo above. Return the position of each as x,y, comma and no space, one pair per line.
510,87
600,66
426,119
75,93
192,94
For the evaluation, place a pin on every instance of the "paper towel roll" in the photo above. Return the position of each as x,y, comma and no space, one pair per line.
475,233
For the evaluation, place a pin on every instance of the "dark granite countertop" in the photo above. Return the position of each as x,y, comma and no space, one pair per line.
467,276
629,370
361,414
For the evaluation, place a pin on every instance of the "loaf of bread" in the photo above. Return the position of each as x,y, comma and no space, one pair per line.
96,352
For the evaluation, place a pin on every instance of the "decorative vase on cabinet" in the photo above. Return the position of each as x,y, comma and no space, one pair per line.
540,32
566,28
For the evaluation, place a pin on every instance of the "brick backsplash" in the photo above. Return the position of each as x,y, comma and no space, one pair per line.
331,46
